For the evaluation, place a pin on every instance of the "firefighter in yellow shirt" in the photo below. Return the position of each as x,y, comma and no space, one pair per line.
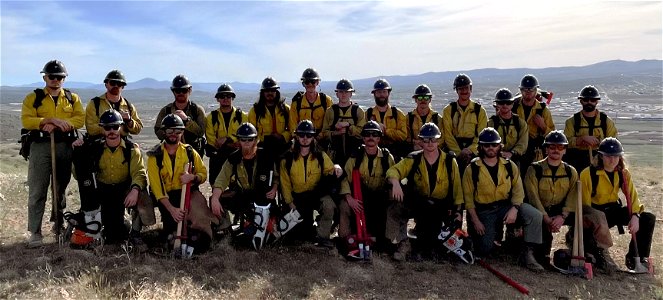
510,126
270,117
600,189
309,104
433,195
391,119
423,113
343,123
463,119
221,125
306,177
494,196
55,111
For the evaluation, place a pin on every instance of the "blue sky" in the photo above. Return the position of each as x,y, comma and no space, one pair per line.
226,41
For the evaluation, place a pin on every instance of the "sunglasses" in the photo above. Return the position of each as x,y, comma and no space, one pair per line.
371,134
174,131
180,90
589,100
491,145
111,127
504,103
305,135
55,77
247,140
116,83
557,147
269,90
429,140
309,81
225,96
422,98
529,90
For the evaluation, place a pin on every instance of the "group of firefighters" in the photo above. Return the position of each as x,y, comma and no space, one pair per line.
283,161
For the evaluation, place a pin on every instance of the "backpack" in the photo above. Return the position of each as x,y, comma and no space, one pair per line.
394,112
477,111
40,95
159,156
475,173
215,116
384,161
97,102
435,118
297,99
602,117
98,150
538,169
515,122
448,161
595,179
538,111
261,166
337,113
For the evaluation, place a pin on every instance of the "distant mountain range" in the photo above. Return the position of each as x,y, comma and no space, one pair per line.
488,77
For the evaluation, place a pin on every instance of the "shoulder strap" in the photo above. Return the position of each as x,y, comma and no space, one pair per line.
215,117
97,102
567,169
538,171
127,153
449,165
369,114
238,115
604,123
323,100
288,160
477,111
410,120
194,110
415,166
539,111
595,179
321,160
353,113
70,98
39,97
394,112
576,122
509,169
496,122
337,113
298,99
435,118
454,108
475,175
385,161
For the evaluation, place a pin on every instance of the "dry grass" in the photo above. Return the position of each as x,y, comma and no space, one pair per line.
280,272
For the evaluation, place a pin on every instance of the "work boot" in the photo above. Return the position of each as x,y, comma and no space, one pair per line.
604,262
35,240
403,249
324,243
527,260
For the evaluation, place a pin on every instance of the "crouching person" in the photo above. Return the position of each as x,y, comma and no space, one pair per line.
551,186
600,188
306,176
166,173
372,163
433,195
247,185
111,178
494,197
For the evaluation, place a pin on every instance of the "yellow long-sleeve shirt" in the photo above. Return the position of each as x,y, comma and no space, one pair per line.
167,179
414,126
214,131
315,112
395,126
570,130
463,124
92,119
514,139
265,126
487,192
226,175
607,191
299,179
537,109
422,180
355,127
114,169
72,114
374,180
543,192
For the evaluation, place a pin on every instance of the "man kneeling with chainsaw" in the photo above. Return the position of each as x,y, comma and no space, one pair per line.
247,186
433,196
111,177
371,163
306,177
174,171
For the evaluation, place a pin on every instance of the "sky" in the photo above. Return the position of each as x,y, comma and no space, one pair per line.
245,41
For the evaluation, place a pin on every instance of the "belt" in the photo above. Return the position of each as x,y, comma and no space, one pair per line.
492,205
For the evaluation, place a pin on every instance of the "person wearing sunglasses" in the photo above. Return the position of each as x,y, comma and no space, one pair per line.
190,113
343,123
307,178
463,119
222,124
391,119
166,175
422,113
493,192
270,116
586,129
510,126
528,105
56,111
372,163
425,185
309,104
114,82
247,177
551,186
111,178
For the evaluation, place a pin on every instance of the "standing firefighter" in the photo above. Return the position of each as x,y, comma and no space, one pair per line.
463,119
372,163
222,124
586,129
539,120
494,197
343,124
433,195
306,176
551,186
510,126
391,120
51,116
600,187
309,104
191,114
270,117
112,99
423,113
166,173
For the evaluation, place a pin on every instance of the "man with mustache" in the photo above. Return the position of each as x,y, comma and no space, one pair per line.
270,116
115,82
391,119
586,129
309,104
